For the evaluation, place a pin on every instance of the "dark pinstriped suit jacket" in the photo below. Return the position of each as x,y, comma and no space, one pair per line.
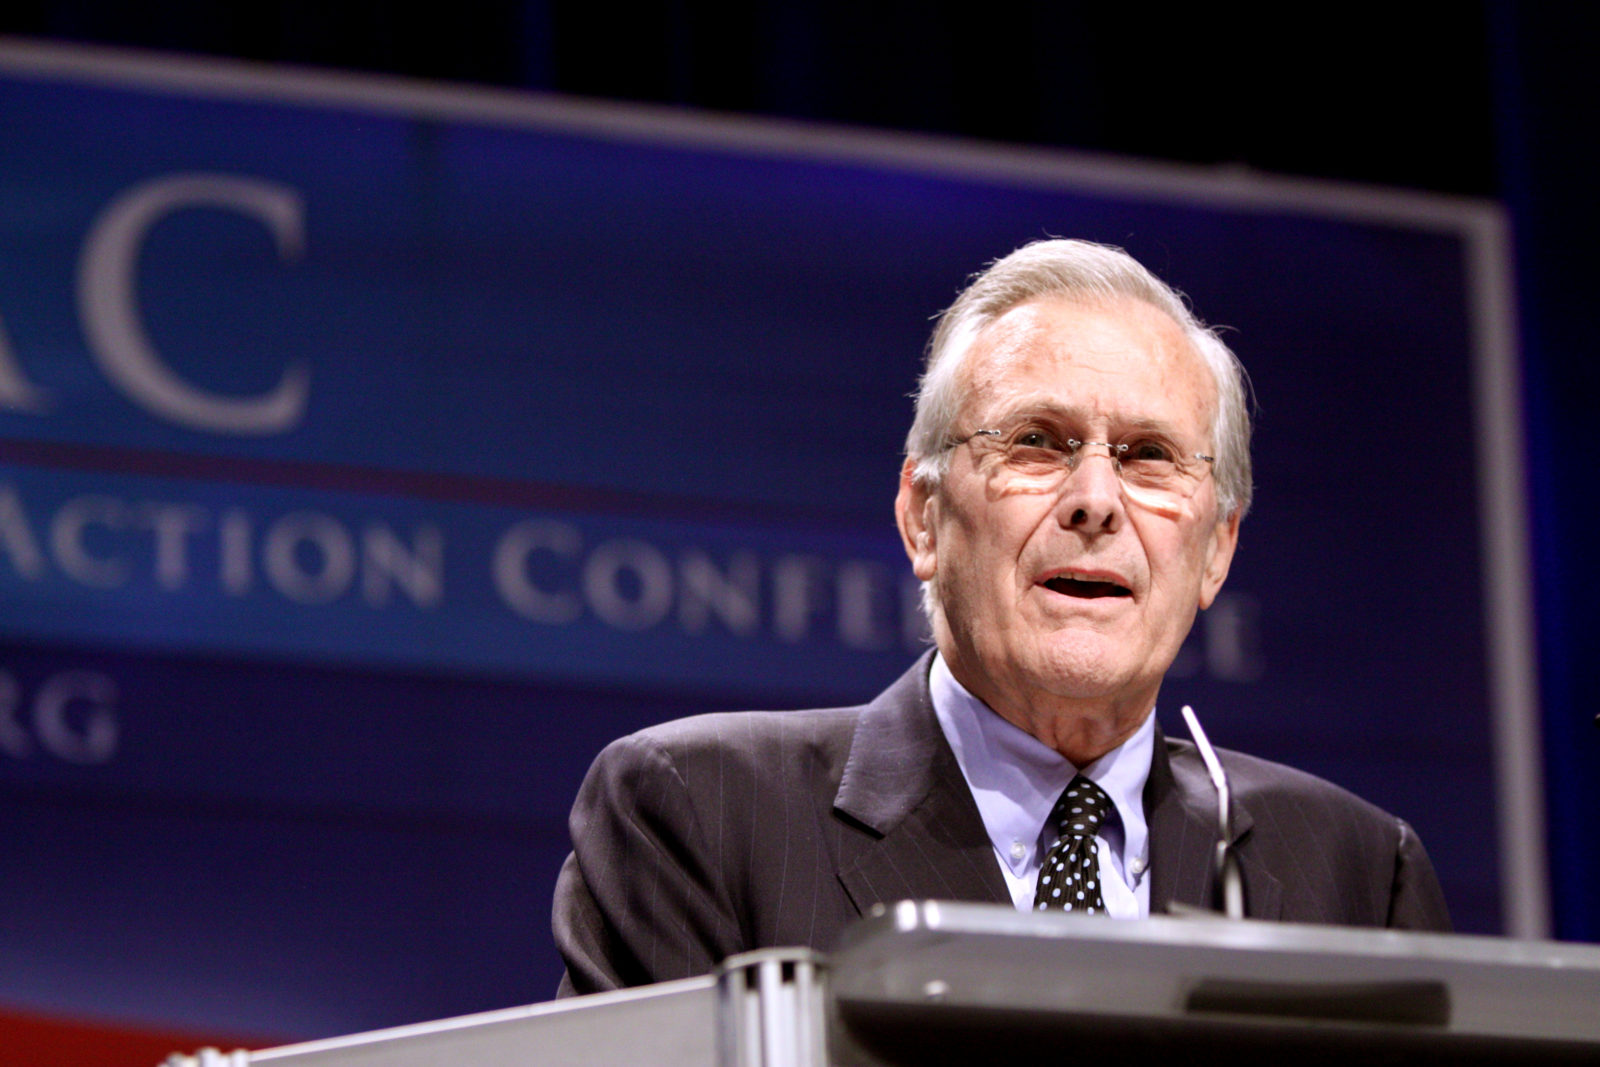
723,833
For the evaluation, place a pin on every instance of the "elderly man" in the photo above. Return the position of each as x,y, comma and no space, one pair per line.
1075,478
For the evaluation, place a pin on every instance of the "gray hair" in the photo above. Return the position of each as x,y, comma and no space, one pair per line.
1088,271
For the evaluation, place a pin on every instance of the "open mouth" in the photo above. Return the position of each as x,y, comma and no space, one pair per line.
1085,588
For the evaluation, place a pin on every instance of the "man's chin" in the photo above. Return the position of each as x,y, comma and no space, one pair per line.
1087,669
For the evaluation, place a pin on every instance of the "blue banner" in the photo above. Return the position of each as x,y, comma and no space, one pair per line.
368,458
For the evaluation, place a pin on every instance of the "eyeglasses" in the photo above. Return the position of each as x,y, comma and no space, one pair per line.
1032,458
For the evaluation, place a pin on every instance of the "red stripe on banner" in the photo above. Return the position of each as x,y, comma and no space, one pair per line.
418,484
37,1041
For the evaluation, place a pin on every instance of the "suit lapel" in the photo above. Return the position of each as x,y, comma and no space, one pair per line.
1181,809
902,784
926,839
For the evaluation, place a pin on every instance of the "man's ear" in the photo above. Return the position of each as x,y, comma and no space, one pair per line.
1219,557
914,510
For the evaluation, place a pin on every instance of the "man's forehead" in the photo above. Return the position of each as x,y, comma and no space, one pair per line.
1053,407
1120,359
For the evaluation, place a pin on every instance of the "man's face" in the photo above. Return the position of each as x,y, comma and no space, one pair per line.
1083,591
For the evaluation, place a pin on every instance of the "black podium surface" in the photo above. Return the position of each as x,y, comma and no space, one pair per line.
936,983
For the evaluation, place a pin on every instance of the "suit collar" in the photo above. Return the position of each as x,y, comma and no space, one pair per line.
1181,805
894,753
927,841
901,782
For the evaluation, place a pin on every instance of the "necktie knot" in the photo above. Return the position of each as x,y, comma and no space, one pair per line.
1082,809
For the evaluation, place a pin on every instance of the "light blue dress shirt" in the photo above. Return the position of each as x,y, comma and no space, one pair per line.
1016,780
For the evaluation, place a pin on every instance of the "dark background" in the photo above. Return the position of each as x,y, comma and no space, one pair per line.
1495,101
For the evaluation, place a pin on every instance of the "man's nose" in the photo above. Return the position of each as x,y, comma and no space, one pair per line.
1091,497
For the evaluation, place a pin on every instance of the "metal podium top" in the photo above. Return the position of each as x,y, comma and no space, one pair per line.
1166,981
936,983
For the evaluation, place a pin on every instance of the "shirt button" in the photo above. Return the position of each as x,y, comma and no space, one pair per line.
1137,865
1019,851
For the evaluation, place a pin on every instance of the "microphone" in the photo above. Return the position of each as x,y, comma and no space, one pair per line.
1226,876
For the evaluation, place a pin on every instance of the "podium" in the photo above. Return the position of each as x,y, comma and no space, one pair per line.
941,983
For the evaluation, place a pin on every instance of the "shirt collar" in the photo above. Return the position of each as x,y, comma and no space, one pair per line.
1016,779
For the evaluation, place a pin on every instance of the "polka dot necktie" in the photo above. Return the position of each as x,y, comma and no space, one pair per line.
1069,877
